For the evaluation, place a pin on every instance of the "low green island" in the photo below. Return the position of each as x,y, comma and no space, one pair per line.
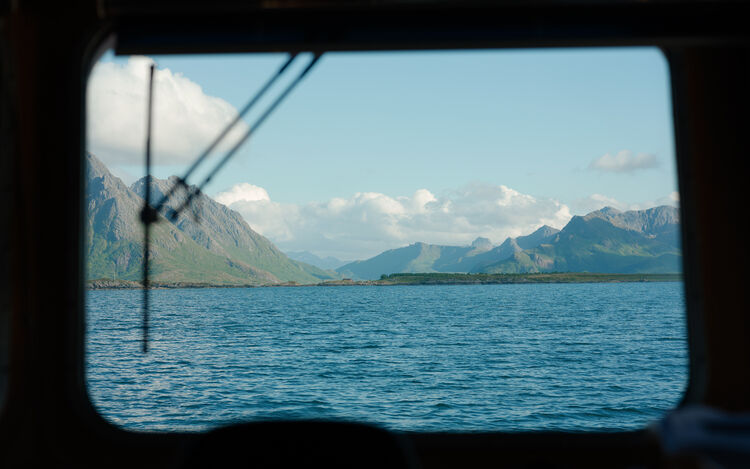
489,279
421,279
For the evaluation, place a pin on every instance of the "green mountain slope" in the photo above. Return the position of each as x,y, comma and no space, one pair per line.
224,232
219,248
417,257
509,247
605,241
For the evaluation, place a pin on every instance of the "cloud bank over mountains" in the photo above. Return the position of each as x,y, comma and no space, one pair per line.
366,223
186,119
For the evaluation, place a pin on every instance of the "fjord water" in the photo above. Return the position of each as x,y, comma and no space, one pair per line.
607,356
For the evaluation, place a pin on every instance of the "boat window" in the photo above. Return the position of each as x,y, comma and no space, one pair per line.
427,241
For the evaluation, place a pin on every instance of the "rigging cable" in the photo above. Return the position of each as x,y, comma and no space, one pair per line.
149,214
197,190
181,182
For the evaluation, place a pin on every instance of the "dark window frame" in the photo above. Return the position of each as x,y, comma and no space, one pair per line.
681,31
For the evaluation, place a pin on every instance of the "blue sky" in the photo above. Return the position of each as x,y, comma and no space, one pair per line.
573,126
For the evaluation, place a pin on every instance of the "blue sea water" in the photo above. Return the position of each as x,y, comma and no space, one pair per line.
423,358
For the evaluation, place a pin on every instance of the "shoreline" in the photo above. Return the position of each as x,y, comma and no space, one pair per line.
411,279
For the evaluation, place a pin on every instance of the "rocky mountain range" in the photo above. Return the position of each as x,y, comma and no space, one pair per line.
207,243
210,243
604,241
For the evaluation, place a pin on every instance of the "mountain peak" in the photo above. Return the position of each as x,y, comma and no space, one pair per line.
158,187
95,167
544,231
482,243
609,210
541,235
652,221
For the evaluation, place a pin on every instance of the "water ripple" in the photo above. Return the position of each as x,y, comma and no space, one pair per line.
422,358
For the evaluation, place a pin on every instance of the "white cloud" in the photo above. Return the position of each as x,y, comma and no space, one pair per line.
368,223
624,162
598,201
186,120
242,192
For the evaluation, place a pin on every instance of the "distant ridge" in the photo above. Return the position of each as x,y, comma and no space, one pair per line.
424,258
606,241
325,263
603,241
